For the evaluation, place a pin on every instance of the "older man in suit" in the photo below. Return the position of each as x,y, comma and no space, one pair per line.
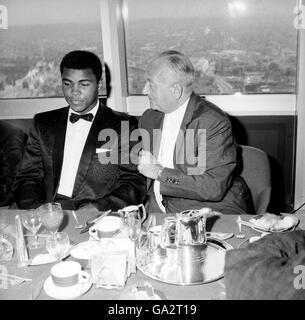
191,155
62,162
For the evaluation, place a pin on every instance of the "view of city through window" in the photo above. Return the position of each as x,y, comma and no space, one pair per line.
246,46
39,34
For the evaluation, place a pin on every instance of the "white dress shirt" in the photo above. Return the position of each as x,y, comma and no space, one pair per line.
76,136
171,126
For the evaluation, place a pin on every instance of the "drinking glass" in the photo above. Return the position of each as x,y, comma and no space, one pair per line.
58,245
133,227
6,248
31,219
3,223
51,216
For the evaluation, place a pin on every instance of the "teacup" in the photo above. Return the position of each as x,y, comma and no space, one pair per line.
106,227
67,274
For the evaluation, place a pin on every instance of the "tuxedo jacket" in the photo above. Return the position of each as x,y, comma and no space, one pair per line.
111,185
204,166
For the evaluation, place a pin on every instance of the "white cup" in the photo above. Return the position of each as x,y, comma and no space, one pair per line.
67,274
106,227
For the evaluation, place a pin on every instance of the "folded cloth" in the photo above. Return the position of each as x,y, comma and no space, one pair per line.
109,269
267,269
120,245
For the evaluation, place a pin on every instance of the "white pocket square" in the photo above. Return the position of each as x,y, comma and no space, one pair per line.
100,150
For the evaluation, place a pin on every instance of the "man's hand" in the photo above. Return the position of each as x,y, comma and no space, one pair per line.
148,165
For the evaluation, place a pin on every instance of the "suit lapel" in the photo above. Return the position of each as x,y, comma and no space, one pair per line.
58,147
156,134
155,137
189,112
89,148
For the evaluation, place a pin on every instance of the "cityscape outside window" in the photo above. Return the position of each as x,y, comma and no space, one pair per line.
39,34
246,46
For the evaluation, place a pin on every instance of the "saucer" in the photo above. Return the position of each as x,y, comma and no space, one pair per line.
109,225
46,258
67,293
281,223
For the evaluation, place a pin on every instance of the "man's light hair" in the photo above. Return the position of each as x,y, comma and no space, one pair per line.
180,64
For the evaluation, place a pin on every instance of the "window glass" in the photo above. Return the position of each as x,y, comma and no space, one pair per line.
39,34
246,46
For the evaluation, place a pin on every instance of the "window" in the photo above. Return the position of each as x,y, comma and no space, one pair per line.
245,46
39,34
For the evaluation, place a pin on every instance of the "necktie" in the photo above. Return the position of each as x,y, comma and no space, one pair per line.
75,117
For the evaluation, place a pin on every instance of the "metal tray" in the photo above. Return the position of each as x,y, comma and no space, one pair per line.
167,266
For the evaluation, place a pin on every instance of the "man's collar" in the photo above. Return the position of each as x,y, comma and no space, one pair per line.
93,110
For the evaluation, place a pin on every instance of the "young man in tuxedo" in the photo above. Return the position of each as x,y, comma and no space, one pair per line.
61,161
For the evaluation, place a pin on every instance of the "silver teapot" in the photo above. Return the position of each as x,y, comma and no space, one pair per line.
185,233
187,228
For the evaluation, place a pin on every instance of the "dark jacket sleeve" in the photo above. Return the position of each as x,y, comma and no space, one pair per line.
131,188
12,151
205,157
271,268
28,186
210,178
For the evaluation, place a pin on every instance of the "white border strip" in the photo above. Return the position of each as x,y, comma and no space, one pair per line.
243,105
247,105
299,194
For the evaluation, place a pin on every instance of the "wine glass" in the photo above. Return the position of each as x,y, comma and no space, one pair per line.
31,219
58,245
3,223
51,216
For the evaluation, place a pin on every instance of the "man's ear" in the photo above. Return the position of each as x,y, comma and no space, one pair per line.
177,90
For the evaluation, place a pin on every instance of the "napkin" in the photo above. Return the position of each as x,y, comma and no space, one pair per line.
267,269
119,245
120,242
109,269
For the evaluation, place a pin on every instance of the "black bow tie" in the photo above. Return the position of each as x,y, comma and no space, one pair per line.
75,117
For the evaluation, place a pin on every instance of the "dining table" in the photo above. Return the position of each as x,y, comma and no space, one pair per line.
214,290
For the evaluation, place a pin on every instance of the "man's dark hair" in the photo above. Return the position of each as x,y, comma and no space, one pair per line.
81,59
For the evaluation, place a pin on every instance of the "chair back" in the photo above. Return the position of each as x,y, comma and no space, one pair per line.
254,168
